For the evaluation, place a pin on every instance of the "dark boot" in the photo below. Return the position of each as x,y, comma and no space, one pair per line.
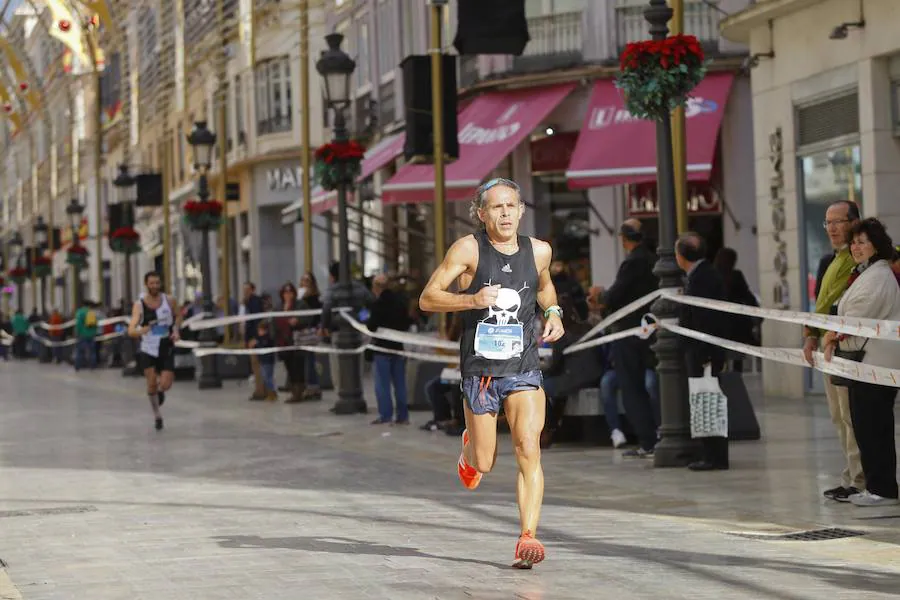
296,394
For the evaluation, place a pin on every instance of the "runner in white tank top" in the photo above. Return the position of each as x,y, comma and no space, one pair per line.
155,319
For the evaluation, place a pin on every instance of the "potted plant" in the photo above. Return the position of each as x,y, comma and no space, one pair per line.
18,275
125,240
657,76
202,215
42,266
338,162
77,255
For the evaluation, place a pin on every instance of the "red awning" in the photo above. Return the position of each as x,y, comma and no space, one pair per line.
489,129
615,148
381,154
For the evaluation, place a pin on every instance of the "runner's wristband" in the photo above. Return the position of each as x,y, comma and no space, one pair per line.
555,309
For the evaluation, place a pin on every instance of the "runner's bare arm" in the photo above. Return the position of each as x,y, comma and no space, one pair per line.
546,293
176,330
133,329
461,258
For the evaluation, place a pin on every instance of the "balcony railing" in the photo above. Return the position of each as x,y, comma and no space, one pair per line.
559,33
700,20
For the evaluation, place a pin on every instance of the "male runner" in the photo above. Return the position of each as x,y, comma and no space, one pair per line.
502,275
155,319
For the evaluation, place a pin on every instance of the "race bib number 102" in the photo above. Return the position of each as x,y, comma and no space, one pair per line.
498,342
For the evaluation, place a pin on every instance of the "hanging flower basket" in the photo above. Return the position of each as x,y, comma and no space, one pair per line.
125,240
337,163
18,275
201,216
42,267
658,76
77,256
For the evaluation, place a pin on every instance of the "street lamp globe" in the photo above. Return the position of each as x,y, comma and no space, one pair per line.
40,232
16,242
124,178
336,67
202,140
74,212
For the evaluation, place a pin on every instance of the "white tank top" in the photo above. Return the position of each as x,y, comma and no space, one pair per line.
161,330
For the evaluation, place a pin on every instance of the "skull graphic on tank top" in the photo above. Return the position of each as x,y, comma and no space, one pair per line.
499,336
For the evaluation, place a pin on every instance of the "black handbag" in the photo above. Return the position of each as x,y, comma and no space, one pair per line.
855,355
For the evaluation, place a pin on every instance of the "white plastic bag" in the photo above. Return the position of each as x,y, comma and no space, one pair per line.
709,406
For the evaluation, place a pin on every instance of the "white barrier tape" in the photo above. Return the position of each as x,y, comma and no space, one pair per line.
623,312
402,337
70,324
838,366
857,326
223,321
72,341
201,352
638,331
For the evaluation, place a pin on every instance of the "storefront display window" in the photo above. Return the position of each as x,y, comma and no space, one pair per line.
827,177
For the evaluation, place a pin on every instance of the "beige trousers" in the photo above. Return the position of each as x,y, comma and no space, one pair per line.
839,407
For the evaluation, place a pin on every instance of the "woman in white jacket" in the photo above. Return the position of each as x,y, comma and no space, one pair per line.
874,293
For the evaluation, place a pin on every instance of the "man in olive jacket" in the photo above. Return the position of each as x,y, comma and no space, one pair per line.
831,283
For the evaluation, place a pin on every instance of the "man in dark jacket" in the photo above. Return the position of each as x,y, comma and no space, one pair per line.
632,356
389,311
703,280
252,304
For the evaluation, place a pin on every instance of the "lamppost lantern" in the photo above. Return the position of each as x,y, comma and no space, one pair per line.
16,242
335,66
74,211
202,141
40,232
124,178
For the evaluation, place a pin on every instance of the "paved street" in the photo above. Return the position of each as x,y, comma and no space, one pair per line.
253,500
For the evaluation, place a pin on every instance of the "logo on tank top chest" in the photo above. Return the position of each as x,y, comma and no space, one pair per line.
500,336
506,268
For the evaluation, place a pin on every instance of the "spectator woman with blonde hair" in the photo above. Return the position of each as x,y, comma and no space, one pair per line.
874,294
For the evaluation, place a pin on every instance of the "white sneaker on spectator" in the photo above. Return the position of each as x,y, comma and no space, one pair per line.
618,438
867,498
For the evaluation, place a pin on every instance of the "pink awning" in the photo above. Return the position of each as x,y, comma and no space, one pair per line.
322,201
615,148
489,129
381,154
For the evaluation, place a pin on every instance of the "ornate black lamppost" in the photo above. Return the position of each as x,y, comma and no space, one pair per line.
77,254
16,244
202,140
123,182
676,449
41,239
336,67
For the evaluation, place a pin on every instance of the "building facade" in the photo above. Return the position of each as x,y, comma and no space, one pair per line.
825,96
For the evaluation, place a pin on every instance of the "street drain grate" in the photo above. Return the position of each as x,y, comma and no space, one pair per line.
39,512
812,535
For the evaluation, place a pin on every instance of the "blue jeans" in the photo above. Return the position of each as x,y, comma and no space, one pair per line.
312,375
268,375
609,388
391,370
84,348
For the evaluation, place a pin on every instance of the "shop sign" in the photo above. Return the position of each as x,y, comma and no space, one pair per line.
284,178
703,199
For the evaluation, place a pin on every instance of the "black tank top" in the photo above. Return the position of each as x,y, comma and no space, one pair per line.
500,341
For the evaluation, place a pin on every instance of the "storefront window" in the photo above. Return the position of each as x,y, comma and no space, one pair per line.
828,177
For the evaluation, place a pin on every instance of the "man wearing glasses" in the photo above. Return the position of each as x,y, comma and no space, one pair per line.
831,283
502,276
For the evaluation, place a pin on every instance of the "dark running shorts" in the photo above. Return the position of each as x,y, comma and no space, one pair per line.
486,394
164,362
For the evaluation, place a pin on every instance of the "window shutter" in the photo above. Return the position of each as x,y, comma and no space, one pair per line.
827,120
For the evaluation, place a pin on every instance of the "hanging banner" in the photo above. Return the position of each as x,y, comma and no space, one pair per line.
23,83
67,29
10,111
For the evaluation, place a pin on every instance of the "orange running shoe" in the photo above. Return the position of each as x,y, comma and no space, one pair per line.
468,475
529,551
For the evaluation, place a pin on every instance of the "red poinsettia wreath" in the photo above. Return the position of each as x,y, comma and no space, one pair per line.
203,215
338,162
77,255
125,240
18,275
42,266
657,76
